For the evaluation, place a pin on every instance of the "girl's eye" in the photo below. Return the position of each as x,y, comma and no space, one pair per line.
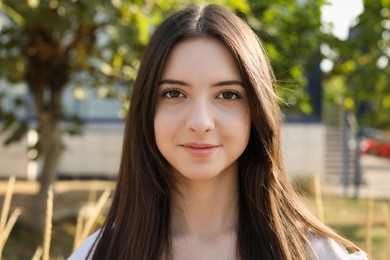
229,94
172,93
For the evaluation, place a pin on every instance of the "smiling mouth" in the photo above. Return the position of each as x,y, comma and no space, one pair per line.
200,150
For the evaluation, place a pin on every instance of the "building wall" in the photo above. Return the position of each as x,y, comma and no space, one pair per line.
13,159
96,153
304,148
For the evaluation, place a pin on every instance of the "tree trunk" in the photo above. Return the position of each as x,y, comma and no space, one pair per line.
50,153
48,110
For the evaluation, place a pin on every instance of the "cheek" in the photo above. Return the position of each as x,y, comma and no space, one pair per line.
235,121
165,123
159,120
245,129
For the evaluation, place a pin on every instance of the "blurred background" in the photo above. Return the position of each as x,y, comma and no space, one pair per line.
66,73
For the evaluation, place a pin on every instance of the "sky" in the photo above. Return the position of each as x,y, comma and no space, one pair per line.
343,14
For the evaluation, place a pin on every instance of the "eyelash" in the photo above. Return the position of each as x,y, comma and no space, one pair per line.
168,91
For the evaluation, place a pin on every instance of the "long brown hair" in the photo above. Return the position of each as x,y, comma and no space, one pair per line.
272,222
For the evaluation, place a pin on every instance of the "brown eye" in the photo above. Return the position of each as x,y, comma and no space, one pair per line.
172,93
228,95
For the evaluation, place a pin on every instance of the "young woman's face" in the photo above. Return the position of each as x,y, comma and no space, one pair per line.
202,122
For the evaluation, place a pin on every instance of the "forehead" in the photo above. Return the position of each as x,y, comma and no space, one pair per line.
201,57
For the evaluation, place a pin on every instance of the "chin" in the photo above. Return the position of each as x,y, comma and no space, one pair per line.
200,175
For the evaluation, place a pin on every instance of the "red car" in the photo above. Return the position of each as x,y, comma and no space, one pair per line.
375,147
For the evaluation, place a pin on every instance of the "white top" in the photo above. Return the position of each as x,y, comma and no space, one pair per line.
325,248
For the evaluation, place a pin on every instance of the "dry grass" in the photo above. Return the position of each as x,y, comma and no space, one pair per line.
48,225
7,203
22,241
87,218
6,226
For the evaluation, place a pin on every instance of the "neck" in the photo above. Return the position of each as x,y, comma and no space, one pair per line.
206,208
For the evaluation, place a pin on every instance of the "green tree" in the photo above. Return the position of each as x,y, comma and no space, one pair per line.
361,72
291,33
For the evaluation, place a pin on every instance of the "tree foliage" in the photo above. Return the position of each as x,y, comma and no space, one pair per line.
291,33
361,69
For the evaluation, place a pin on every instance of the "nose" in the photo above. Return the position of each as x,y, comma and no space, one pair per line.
200,117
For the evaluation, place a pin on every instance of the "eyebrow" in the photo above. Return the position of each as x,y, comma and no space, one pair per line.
228,83
173,82
218,84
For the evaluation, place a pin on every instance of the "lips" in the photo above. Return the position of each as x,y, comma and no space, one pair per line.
200,150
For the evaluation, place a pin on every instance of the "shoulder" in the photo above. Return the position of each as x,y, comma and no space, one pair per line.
327,248
82,251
